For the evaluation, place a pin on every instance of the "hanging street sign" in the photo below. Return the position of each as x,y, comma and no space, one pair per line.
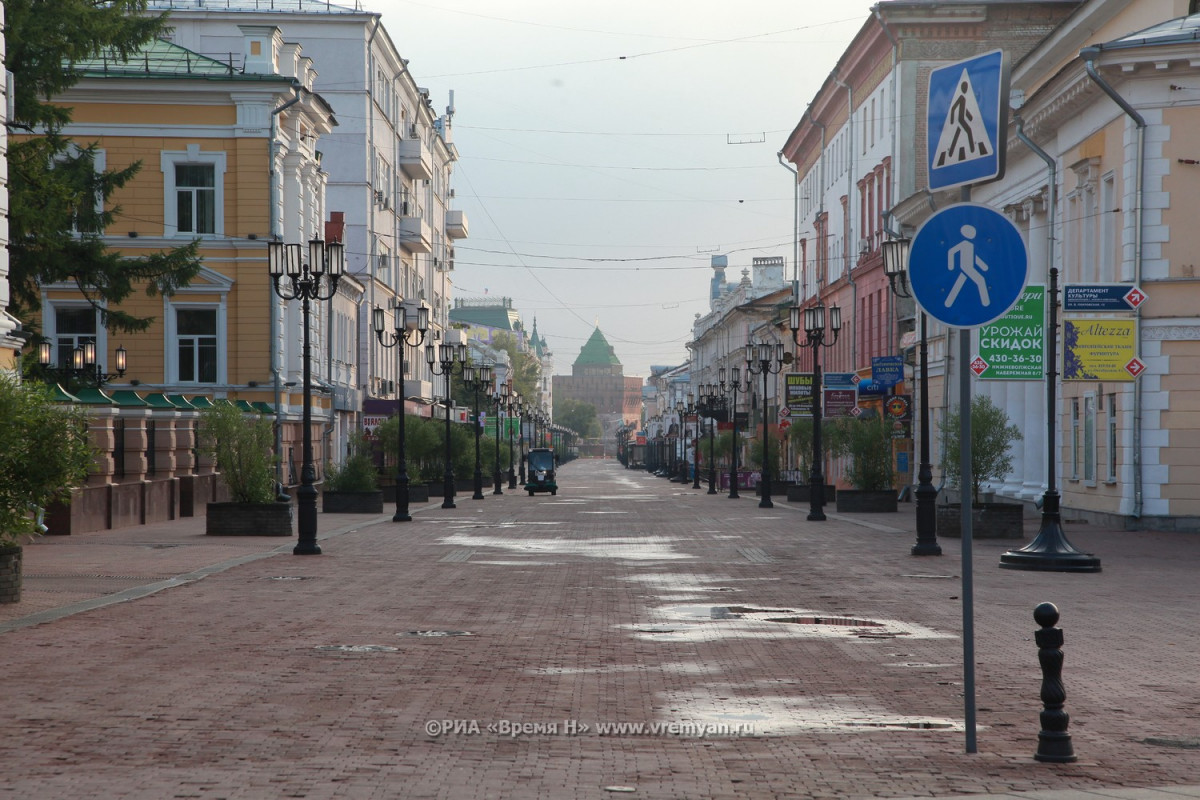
967,265
967,121
1013,348
1102,297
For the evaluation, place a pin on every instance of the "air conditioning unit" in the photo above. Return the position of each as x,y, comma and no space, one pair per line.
864,245
451,193
387,203
412,131
378,197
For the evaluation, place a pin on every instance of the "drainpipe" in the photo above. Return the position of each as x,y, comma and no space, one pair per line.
373,353
273,317
851,246
1089,54
795,227
821,244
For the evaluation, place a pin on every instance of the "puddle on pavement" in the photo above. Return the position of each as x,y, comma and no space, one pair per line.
648,548
433,634
702,623
776,715
356,648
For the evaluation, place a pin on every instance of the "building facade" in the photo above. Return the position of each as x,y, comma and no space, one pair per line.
598,378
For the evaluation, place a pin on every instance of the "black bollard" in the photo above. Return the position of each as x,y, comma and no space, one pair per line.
1054,743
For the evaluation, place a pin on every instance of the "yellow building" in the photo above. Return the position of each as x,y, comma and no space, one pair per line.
229,158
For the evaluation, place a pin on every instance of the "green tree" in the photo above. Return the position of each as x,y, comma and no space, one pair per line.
44,451
992,438
867,442
525,369
54,188
578,416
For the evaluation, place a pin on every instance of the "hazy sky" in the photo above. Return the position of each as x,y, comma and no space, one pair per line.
608,149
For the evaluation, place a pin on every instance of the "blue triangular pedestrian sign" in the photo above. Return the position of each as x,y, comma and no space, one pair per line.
967,118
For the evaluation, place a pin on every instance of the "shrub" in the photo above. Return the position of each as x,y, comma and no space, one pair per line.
867,442
357,472
44,451
992,439
242,447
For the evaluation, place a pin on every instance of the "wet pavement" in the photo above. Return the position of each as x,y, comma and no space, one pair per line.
629,636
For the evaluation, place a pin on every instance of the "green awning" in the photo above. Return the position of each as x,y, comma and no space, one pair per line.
179,401
245,405
159,400
201,401
263,407
61,395
94,397
126,398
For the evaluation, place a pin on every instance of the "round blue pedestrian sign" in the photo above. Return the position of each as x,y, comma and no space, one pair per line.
967,265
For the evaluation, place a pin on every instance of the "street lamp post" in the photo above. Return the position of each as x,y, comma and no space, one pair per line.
477,378
522,410
694,409
766,360
445,357
304,281
513,404
815,331
734,385
499,397
710,398
405,326
895,265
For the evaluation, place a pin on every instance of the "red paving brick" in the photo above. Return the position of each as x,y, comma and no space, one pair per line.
590,607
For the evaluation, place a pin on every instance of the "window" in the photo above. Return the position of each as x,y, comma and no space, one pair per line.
196,341
193,184
1112,438
195,198
73,327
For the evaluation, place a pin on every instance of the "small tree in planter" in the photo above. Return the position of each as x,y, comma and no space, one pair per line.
992,438
352,487
242,448
44,451
867,443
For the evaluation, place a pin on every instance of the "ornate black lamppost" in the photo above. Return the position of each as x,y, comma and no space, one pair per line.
445,357
734,385
477,378
83,366
499,397
814,330
766,360
522,410
410,324
304,281
710,403
895,264
694,409
513,405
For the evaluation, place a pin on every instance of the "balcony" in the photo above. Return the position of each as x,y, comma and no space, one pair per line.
416,235
415,159
456,224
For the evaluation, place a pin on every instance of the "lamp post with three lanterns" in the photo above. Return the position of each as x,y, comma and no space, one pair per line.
441,360
710,403
316,279
766,360
410,323
815,333
83,366
477,378
734,385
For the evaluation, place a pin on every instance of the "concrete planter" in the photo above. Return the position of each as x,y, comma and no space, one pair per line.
353,502
802,493
866,501
248,519
988,521
10,573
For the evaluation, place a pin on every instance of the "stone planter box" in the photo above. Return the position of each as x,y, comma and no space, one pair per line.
10,573
802,493
352,502
866,501
248,519
988,521
778,488
417,493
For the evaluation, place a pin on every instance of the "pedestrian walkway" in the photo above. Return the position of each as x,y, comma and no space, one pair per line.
627,636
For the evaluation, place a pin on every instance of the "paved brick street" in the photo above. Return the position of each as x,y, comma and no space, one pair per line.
253,673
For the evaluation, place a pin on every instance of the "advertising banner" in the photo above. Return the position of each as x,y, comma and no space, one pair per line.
798,387
1013,348
1100,350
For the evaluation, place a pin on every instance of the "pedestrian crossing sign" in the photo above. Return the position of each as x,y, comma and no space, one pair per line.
967,121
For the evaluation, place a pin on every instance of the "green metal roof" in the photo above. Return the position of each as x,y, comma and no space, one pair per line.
179,401
497,316
163,59
201,401
597,350
61,395
263,407
245,405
